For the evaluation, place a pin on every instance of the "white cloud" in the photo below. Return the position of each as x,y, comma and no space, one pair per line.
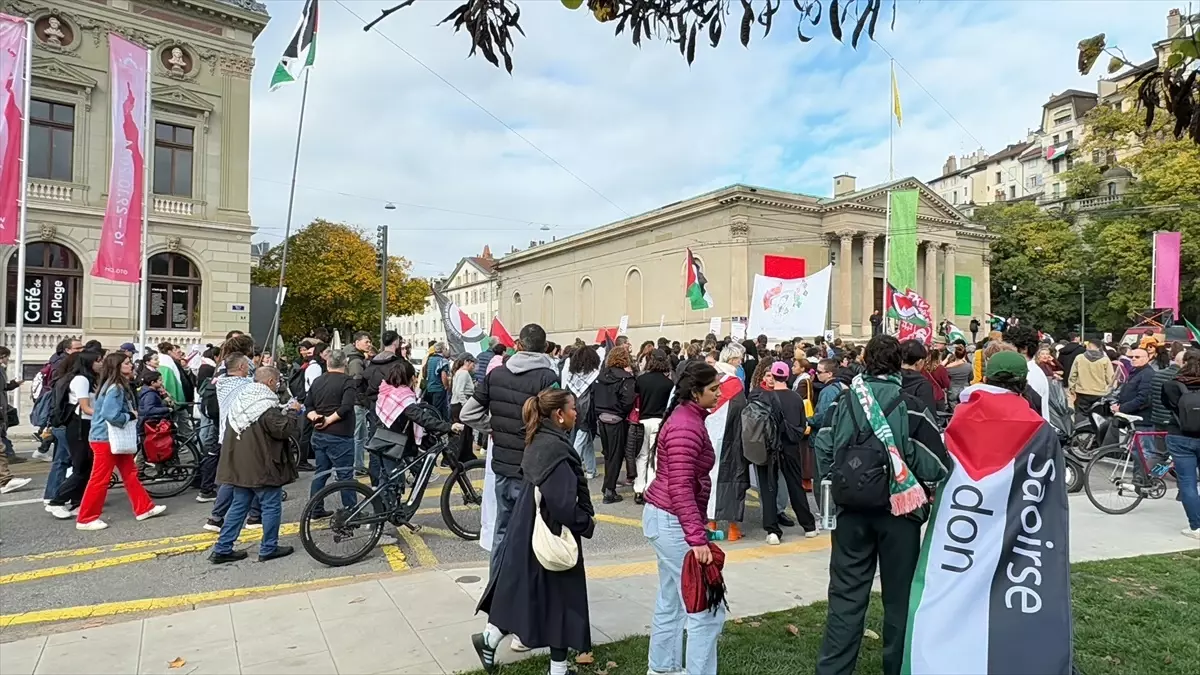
639,125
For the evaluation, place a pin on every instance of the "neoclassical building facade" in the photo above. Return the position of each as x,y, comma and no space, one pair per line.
199,219
635,267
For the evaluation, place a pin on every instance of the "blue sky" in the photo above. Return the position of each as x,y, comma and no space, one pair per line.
639,126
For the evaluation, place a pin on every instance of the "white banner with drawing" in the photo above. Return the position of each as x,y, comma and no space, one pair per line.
786,308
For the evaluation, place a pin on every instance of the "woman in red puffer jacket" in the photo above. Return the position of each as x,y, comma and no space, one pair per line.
673,521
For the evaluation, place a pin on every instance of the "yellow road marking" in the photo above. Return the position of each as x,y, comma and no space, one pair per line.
617,520
395,557
425,556
151,604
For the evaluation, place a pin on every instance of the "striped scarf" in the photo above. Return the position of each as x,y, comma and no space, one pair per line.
907,494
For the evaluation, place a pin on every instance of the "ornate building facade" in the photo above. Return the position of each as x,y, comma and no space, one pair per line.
199,220
635,267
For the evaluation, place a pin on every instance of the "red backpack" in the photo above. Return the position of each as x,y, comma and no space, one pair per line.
159,444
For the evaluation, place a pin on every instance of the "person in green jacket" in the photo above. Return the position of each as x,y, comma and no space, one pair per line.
864,539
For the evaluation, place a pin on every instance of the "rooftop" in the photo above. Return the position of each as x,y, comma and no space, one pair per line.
1057,99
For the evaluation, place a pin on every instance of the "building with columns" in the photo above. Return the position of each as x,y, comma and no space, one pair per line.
635,267
199,219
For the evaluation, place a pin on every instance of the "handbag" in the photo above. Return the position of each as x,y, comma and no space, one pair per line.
122,440
11,418
555,553
387,443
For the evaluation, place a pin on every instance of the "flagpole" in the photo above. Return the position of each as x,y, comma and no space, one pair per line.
891,126
147,152
22,215
887,236
269,346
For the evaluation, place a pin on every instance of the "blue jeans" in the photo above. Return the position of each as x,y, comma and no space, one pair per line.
670,616
59,463
585,445
337,453
271,499
8,446
225,495
507,491
1186,453
360,438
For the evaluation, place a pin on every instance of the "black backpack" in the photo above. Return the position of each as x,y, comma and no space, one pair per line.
861,476
60,412
1189,413
759,435
295,382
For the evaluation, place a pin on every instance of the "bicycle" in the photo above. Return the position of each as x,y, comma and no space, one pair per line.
174,476
1125,468
363,521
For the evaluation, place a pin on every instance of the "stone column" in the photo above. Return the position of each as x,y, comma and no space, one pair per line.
868,281
987,288
948,310
845,282
931,286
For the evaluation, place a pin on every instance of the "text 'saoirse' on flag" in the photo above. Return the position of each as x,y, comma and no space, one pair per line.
301,52
697,285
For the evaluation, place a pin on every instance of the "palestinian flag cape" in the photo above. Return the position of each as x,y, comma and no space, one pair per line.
696,288
992,591
463,335
730,475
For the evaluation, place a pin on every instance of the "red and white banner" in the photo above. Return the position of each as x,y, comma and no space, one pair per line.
14,40
120,254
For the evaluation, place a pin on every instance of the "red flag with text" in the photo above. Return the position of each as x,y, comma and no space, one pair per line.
119,257
13,80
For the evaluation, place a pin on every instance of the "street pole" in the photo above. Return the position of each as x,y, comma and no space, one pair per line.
383,293
1082,311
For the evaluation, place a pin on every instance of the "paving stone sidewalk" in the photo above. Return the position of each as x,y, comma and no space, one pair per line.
420,623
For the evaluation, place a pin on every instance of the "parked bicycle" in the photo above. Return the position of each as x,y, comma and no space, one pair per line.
173,476
1122,472
349,533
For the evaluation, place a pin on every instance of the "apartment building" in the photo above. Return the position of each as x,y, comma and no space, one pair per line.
472,286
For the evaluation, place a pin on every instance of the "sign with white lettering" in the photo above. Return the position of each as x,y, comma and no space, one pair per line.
714,326
58,302
33,300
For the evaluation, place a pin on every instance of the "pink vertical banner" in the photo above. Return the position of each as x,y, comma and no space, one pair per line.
13,80
119,257
1166,270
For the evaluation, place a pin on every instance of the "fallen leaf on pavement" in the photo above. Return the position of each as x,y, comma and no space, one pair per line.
870,634
357,600
793,630
177,663
585,659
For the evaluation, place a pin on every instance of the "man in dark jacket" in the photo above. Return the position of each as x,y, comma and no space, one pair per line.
257,461
1069,351
1135,398
330,409
496,406
912,381
865,539
356,365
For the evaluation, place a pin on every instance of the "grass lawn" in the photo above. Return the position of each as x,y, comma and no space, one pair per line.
1133,616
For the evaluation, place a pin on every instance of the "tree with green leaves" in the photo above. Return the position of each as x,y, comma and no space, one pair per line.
333,280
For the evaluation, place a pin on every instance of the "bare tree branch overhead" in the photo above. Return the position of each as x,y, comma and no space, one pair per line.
490,23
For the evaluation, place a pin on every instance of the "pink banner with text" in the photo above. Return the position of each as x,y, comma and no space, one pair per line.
1166,270
13,80
120,252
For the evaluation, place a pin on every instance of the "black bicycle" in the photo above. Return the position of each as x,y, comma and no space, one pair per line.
347,534
174,476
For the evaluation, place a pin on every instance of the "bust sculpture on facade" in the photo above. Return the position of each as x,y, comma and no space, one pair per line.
177,63
53,32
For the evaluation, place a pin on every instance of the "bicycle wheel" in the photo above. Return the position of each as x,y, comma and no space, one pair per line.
1082,446
172,477
1110,478
462,499
1073,474
324,540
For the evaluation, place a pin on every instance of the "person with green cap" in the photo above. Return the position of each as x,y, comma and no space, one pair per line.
1006,371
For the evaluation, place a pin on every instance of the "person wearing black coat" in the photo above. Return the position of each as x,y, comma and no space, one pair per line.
523,598
1134,398
613,397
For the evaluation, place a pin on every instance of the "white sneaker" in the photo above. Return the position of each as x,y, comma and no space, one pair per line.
45,502
812,534
517,645
60,512
156,511
96,524
772,539
14,484
42,456
1189,532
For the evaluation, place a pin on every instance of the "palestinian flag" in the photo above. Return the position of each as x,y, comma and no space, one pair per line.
463,335
1195,331
500,334
301,52
730,475
954,333
697,285
994,571
905,306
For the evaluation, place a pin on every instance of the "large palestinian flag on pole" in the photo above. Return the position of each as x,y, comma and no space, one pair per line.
730,475
696,286
301,52
992,591
463,335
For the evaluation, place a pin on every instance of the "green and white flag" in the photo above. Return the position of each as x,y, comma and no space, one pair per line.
696,288
301,52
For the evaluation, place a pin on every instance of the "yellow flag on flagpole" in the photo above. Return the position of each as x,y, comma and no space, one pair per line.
896,99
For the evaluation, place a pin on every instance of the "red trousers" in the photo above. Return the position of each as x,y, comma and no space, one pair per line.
103,463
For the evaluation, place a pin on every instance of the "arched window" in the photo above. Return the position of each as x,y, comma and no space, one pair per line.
517,311
174,293
633,296
1112,189
53,287
587,304
547,307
